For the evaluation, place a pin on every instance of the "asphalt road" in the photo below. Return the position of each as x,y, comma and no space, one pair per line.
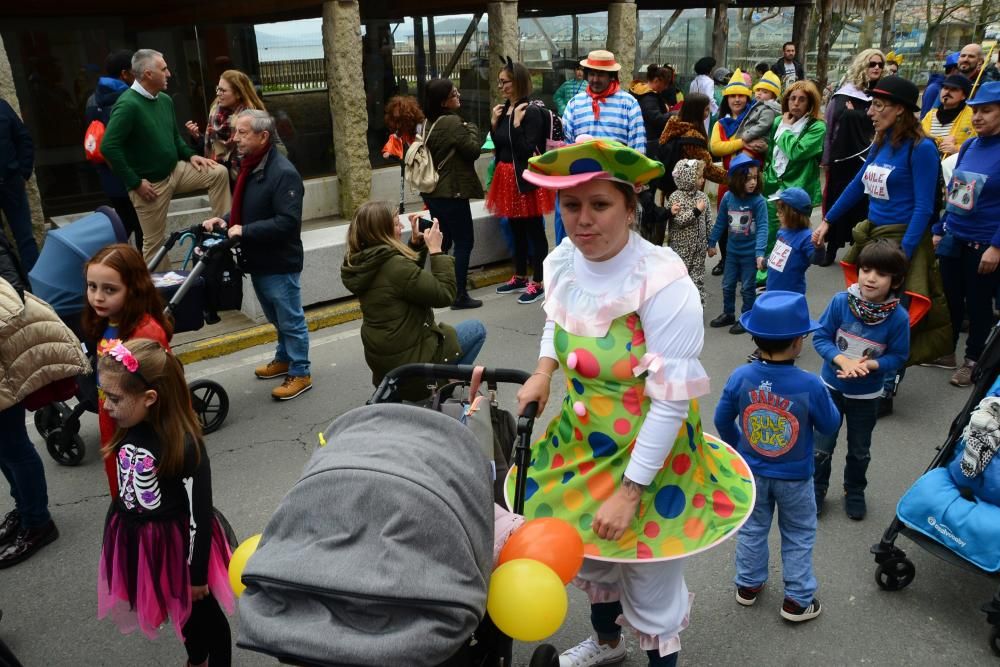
49,602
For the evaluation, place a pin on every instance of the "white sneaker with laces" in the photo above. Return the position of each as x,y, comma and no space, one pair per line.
590,653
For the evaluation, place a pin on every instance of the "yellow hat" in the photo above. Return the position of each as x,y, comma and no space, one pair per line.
893,57
769,81
737,85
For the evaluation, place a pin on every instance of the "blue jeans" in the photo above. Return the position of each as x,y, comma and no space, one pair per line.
23,469
14,203
861,415
471,336
281,299
740,269
796,504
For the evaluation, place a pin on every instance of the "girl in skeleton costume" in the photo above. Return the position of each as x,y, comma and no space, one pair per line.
165,553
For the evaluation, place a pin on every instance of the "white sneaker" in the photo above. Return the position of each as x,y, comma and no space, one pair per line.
590,653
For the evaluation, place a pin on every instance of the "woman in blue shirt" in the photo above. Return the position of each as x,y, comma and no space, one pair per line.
972,217
899,179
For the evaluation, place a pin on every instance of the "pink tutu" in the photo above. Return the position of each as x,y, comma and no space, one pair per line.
144,577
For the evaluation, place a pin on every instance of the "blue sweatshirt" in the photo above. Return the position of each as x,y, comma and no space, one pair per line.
973,205
747,220
897,192
790,257
770,409
842,333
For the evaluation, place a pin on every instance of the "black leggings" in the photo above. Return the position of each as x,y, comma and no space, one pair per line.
455,218
533,228
207,634
126,213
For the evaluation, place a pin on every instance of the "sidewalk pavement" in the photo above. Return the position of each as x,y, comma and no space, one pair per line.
237,332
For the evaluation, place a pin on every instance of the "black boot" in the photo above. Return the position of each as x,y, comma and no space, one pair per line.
464,301
26,543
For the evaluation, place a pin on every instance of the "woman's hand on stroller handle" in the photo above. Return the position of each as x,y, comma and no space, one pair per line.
214,224
536,388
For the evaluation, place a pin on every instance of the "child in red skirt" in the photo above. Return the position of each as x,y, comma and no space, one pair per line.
519,133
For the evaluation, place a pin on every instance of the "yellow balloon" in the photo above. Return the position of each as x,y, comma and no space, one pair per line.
527,600
239,561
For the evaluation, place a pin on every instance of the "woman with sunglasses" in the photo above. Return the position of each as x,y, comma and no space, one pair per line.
848,136
899,179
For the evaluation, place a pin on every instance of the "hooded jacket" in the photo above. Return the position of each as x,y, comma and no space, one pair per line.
397,300
760,119
929,99
804,152
457,178
654,114
687,195
99,108
677,128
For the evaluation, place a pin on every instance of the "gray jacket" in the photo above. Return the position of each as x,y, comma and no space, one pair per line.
759,120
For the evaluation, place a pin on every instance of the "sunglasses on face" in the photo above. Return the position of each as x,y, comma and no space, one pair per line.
874,63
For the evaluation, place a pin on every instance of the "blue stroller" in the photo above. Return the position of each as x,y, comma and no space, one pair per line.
953,509
58,279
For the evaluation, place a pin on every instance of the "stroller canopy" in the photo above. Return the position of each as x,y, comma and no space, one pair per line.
381,552
57,277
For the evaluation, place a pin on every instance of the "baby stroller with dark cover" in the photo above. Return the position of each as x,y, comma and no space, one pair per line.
58,279
381,553
952,509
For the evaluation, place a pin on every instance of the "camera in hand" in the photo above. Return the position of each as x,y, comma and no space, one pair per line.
423,224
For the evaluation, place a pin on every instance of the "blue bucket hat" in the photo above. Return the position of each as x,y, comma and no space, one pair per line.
779,315
951,60
988,93
796,198
742,161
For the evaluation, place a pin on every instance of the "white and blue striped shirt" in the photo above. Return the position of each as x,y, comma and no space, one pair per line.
621,120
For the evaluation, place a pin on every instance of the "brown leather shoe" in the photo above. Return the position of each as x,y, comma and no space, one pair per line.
9,527
292,387
271,369
26,543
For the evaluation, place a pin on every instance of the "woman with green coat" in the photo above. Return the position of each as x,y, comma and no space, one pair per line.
454,147
398,296
795,149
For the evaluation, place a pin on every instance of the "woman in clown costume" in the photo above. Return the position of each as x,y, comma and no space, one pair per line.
625,461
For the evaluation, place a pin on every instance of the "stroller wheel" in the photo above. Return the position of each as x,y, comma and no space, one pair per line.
895,573
210,402
65,447
47,419
545,655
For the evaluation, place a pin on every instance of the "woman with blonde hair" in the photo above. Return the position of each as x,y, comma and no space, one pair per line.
848,136
794,149
398,297
234,93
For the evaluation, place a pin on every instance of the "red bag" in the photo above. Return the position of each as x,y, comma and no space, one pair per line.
92,142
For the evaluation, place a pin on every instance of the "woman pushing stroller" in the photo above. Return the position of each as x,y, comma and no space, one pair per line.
625,460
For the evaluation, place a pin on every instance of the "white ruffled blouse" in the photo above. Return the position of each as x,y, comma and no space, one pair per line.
585,297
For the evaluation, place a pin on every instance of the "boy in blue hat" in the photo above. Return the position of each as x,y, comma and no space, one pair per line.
770,408
744,211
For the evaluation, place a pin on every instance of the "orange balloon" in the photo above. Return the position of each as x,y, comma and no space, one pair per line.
551,541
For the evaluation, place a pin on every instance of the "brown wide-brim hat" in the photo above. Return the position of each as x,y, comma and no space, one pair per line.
602,60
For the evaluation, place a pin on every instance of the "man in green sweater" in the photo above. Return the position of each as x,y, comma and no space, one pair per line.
144,148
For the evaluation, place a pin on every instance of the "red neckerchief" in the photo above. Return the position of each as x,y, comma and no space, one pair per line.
250,163
597,98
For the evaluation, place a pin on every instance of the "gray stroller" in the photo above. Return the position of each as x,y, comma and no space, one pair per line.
381,553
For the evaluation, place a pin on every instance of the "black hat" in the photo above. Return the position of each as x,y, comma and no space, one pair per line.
704,66
958,81
899,90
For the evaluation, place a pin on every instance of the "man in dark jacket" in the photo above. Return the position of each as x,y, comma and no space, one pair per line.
788,69
17,159
118,67
267,218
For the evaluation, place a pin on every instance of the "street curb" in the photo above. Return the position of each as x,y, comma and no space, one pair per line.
319,317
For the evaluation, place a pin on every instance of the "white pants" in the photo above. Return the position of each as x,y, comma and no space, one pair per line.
654,598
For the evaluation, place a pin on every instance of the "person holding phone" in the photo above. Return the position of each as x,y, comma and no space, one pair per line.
398,296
